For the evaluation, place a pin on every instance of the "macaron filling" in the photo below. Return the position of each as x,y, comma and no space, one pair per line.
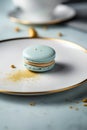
39,64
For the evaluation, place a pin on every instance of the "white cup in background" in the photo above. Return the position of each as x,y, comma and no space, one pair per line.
38,9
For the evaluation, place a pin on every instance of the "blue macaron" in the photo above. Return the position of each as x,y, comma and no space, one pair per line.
39,58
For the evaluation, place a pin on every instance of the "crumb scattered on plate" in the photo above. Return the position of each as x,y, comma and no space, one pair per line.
17,29
32,103
60,34
13,66
20,74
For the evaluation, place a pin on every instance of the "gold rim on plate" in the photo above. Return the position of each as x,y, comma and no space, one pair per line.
50,91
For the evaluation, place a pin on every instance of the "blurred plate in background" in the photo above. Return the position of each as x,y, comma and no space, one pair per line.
61,14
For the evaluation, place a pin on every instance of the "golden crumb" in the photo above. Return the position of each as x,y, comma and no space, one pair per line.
85,104
17,29
45,27
32,103
13,66
60,34
84,100
71,107
32,32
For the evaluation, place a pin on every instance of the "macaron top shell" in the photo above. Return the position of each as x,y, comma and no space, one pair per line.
39,53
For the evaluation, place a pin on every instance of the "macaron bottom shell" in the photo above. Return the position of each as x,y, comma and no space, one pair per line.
38,69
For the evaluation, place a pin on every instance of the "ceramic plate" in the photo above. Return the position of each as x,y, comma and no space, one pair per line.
61,13
70,69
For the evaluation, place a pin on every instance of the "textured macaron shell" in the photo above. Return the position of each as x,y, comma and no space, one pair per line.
39,53
38,69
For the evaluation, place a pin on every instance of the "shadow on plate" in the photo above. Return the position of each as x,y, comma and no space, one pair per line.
62,68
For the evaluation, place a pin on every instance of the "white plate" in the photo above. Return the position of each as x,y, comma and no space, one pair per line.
62,13
70,69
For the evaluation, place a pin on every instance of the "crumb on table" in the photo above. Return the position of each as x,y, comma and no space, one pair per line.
17,29
32,32
32,103
71,107
45,27
13,66
85,104
84,100
60,34
76,108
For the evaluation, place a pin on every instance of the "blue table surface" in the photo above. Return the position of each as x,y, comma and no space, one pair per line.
60,111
